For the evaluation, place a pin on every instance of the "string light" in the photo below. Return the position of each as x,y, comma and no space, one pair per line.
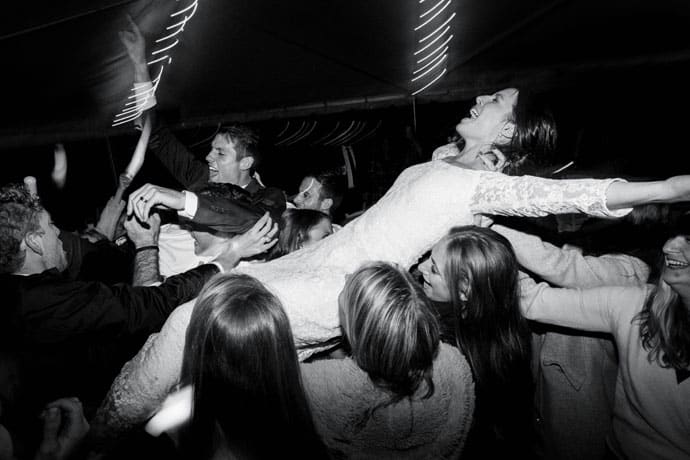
445,23
142,93
429,68
434,16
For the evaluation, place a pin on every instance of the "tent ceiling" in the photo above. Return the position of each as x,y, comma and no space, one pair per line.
66,73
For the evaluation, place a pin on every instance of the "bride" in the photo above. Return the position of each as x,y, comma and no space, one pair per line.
422,205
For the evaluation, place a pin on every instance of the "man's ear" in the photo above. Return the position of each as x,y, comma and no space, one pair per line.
246,163
33,241
326,205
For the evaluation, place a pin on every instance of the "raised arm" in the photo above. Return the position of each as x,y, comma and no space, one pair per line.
534,196
165,146
569,267
135,45
145,239
595,309
627,194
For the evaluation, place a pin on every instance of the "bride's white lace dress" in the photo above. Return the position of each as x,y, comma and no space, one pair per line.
422,205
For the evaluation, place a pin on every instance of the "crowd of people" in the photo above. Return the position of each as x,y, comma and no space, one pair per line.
427,327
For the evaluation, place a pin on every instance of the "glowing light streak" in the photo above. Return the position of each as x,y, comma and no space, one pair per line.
426,72
430,83
432,53
133,108
357,132
433,17
193,5
162,58
303,136
295,134
162,50
284,129
442,56
180,24
430,9
132,113
337,125
428,45
445,23
169,36
341,135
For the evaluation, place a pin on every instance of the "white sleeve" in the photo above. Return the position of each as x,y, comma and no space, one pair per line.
191,204
531,196
568,267
587,309
146,379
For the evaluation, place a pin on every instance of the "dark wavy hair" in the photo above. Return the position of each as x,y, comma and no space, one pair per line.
664,320
491,330
535,136
390,327
332,186
294,228
19,215
248,394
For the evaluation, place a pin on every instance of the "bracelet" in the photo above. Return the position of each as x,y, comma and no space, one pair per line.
146,248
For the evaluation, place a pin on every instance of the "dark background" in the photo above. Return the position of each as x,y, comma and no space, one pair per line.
616,73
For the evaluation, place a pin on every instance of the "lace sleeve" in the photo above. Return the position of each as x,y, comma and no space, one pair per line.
143,383
531,196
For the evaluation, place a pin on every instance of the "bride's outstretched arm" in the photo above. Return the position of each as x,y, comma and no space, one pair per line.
628,194
534,196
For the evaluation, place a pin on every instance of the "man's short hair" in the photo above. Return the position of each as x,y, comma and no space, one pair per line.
332,186
19,215
244,139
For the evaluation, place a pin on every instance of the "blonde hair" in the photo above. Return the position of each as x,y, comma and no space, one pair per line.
391,329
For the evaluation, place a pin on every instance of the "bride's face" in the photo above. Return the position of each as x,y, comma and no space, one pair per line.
488,121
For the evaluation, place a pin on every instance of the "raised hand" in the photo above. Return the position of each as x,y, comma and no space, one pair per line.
59,173
143,235
64,427
134,42
258,239
147,196
107,222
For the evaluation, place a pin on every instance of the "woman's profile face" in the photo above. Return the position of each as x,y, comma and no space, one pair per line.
435,286
676,270
318,232
488,117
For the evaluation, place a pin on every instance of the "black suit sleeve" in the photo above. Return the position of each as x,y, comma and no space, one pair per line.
64,310
182,164
230,209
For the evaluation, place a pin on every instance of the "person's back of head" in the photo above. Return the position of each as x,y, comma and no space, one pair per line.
389,325
241,361
19,215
